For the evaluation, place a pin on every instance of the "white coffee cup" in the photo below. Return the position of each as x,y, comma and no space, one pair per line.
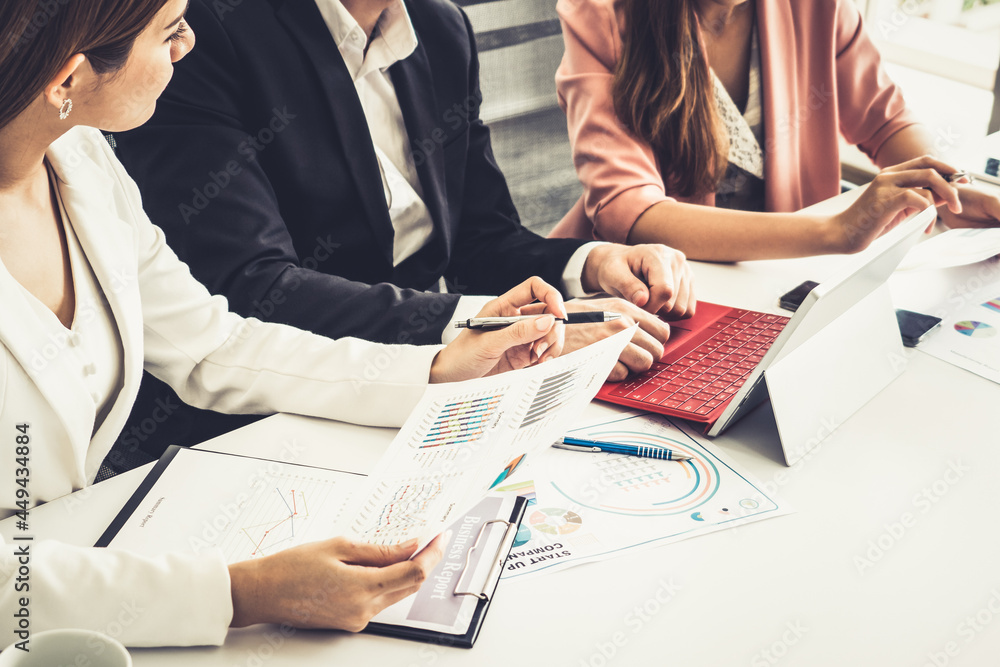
67,648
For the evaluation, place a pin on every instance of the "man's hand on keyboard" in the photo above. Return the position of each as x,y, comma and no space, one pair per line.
647,343
652,276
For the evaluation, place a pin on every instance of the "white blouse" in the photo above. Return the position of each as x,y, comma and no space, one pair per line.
91,343
92,337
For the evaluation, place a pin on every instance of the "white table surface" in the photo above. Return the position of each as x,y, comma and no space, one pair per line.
791,590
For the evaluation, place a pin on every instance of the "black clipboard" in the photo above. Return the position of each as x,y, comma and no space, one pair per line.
495,561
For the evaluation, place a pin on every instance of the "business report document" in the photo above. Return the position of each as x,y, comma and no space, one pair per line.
585,507
461,440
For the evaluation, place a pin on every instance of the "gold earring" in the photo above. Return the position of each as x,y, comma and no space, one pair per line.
66,107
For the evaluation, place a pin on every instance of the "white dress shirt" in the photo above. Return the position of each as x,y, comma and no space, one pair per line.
393,40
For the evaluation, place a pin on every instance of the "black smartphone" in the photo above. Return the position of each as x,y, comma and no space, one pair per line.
914,327
793,299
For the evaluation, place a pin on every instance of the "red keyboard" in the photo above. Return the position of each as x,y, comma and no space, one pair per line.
698,376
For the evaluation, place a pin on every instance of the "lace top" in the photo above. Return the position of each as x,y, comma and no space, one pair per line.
742,187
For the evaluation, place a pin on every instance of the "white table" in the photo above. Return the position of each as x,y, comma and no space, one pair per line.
908,485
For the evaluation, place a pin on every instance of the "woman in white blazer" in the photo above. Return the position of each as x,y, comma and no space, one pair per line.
90,294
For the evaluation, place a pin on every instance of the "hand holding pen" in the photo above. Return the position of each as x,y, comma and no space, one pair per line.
977,207
526,342
980,206
894,194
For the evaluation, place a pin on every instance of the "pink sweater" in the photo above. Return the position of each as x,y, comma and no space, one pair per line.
821,77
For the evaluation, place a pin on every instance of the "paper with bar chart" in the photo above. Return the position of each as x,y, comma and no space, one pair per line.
461,439
586,506
970,334
466,437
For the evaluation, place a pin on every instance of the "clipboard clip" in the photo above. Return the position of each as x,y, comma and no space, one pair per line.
510,531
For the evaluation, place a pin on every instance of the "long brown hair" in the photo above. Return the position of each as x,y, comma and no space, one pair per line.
663,93
37,37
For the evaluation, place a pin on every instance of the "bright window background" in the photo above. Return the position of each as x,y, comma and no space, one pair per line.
944,55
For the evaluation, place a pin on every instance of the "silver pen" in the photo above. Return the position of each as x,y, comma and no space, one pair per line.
954,178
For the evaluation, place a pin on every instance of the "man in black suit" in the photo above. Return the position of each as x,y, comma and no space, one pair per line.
322,164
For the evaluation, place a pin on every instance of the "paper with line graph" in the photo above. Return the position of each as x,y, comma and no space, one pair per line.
246,507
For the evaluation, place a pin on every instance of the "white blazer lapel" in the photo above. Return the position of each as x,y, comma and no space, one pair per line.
89,195
92,198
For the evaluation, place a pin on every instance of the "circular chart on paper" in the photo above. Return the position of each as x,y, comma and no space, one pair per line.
554,521
993,304
636,486
974,329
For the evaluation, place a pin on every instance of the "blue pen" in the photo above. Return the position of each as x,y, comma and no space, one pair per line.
647,451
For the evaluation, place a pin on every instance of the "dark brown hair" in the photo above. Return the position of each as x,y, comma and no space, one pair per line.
663,93
37,37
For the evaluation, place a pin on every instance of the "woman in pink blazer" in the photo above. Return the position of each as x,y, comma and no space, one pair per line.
669,104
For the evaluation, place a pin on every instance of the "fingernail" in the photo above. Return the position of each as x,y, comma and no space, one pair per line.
540,350
410,544
544,323
636,295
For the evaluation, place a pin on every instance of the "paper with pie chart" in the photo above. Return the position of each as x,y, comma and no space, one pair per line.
591,506
970,335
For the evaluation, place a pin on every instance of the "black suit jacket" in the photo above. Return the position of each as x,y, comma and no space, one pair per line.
259,167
